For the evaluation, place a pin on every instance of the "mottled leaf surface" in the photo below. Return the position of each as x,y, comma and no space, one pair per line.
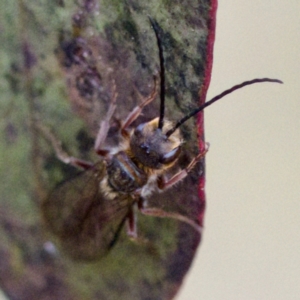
59,64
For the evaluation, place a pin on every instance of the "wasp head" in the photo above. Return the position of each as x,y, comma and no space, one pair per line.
152,147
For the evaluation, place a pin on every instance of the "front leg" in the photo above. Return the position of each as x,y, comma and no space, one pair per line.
104,125
164,183
134,114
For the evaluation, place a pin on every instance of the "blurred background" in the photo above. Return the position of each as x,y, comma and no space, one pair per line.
251,244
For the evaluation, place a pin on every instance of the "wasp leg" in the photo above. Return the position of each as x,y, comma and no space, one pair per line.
134,114
131,224
104,125
160,213
132,228
164,183
60,153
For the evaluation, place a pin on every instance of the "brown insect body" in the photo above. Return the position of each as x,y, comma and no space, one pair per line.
147,152
88,211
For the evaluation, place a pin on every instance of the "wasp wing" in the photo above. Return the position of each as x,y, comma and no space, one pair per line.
83,217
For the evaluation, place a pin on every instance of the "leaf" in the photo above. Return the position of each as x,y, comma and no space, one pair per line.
59,63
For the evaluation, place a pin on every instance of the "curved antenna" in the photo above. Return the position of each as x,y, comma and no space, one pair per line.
162,73
218,97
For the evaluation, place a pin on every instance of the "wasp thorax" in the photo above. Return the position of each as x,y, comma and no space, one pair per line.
123,175
152,148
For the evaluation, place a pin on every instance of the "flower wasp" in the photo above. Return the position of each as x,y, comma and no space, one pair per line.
89,211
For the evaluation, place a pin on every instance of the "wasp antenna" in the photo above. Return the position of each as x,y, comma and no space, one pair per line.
218,97
162,72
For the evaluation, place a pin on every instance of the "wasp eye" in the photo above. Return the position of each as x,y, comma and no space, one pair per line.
170,156
139,129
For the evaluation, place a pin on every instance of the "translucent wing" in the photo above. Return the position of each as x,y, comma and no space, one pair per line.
86,221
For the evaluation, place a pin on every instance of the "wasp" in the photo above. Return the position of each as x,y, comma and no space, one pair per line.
89,211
